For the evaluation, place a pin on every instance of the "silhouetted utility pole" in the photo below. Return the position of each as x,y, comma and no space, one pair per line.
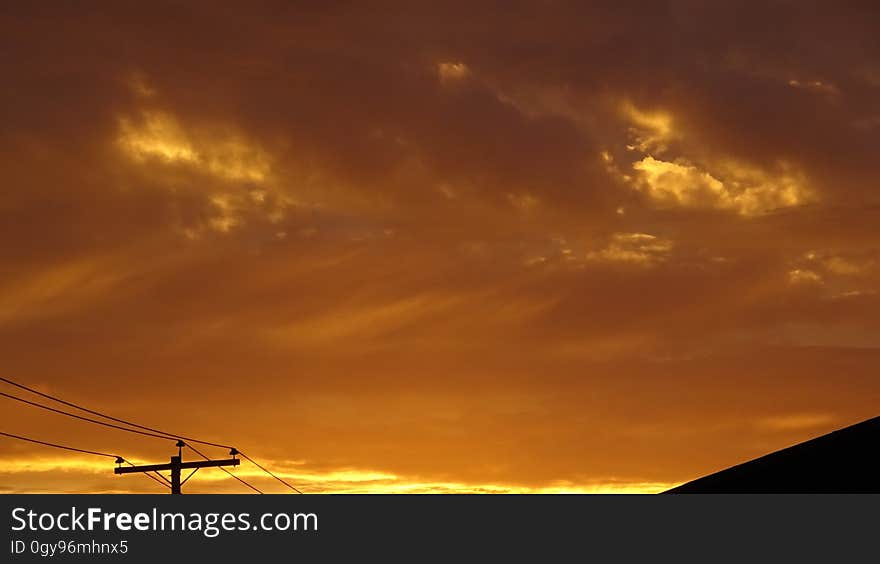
176,465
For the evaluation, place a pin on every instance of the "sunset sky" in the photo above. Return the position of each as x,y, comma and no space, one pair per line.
438,246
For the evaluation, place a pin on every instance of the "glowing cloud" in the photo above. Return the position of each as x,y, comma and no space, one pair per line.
637,248
796,421
158,135
59,288
841,265
741,188
803,276
817,86
650,130
452,71
343,480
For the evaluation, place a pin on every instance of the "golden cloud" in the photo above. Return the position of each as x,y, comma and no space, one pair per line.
60,288
842,265
818,86
452,71
339,481
804,276
744,189
795,421
651,131
637,248
363,321
224,154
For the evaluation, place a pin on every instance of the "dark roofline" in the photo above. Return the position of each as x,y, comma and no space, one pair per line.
843,461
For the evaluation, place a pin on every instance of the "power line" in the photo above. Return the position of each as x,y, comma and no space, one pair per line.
110,417
166,483
185,480
225,470
59,446
157,480
44,443
150,431
255,463
90,420
176,465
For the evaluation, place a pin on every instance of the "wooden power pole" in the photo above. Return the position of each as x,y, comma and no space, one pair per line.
176,465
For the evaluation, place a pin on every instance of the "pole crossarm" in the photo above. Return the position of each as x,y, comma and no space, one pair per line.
181,465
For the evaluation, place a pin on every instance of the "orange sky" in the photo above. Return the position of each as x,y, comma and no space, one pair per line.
445,246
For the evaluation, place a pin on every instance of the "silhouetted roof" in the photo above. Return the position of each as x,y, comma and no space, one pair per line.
843,461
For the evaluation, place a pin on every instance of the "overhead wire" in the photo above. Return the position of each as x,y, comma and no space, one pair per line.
110,417
166,483
55,445
189,476
84,451
146,431
89,419
255,463
195,450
